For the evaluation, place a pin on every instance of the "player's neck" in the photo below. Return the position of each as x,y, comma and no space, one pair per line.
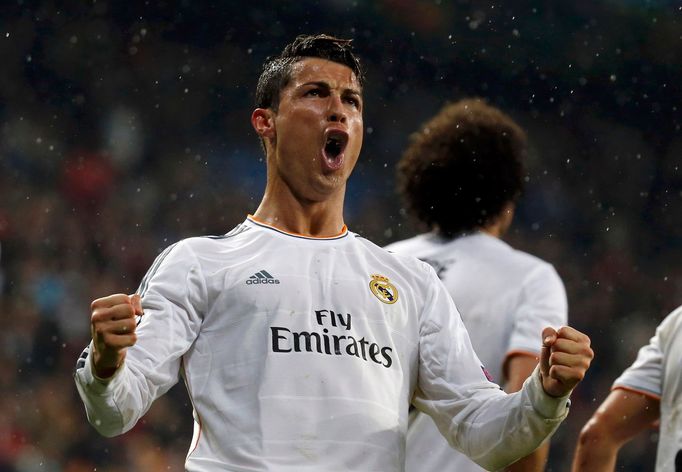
499,226
492,230
296,215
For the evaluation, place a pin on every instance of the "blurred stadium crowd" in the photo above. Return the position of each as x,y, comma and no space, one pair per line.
124,129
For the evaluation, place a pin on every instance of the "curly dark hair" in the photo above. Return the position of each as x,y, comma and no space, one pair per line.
277,70
462,167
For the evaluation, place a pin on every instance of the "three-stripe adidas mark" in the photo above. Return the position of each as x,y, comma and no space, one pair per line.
261,277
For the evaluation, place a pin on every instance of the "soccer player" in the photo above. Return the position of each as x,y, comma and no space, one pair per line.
650,390
302,344
461,176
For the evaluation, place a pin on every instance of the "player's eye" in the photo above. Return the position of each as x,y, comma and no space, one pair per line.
353,101
316,92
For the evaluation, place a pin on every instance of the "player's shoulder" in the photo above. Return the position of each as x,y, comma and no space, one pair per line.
205,247
530,261
406,246
234,237
516,261
672,322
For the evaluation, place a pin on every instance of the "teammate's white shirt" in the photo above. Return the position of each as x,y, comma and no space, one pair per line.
506,297
314,367
657,372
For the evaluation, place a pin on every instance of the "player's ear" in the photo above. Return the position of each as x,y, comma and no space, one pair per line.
263,121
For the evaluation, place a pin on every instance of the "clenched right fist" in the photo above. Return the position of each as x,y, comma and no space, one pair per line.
113,330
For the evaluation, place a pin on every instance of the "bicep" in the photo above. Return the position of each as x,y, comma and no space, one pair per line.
541,303
626,413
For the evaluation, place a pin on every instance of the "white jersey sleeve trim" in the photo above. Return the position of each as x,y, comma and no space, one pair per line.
644,392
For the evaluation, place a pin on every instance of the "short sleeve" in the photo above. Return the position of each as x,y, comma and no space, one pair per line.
646,373
542,303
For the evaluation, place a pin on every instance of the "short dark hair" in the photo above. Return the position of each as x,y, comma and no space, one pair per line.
462,167
277,69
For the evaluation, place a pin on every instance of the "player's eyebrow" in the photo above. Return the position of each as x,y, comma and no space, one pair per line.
326,86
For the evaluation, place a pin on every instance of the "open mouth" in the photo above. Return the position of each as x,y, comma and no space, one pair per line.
334,145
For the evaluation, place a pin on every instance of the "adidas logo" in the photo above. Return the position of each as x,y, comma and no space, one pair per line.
261,277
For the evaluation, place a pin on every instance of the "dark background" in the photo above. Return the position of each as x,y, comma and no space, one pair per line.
124,126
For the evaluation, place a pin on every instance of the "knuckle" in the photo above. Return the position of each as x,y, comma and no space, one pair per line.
97,315
126,309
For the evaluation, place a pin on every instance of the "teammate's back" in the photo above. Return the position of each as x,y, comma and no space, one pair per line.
502,293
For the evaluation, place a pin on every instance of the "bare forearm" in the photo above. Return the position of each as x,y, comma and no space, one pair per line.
595,457
622,416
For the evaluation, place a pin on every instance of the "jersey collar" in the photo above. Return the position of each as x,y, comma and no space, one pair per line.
342,234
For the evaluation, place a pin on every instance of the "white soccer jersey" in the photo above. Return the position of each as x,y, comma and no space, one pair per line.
506,297
303,354
657,372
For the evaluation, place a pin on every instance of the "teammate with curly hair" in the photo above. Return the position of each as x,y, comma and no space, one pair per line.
461,177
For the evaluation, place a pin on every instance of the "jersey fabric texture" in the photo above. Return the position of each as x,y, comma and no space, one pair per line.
303,354
657,372
506,297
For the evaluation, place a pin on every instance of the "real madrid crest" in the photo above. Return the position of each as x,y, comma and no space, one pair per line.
383,289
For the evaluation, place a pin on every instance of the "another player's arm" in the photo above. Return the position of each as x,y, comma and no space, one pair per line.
623,415
518,367
565,357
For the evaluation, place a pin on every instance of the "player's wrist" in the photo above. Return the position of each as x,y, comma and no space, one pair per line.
547,404
104,370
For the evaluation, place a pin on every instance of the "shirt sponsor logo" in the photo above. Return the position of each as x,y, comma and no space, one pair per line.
331,338
262,278
383,289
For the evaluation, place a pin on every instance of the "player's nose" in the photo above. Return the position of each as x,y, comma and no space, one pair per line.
335,111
